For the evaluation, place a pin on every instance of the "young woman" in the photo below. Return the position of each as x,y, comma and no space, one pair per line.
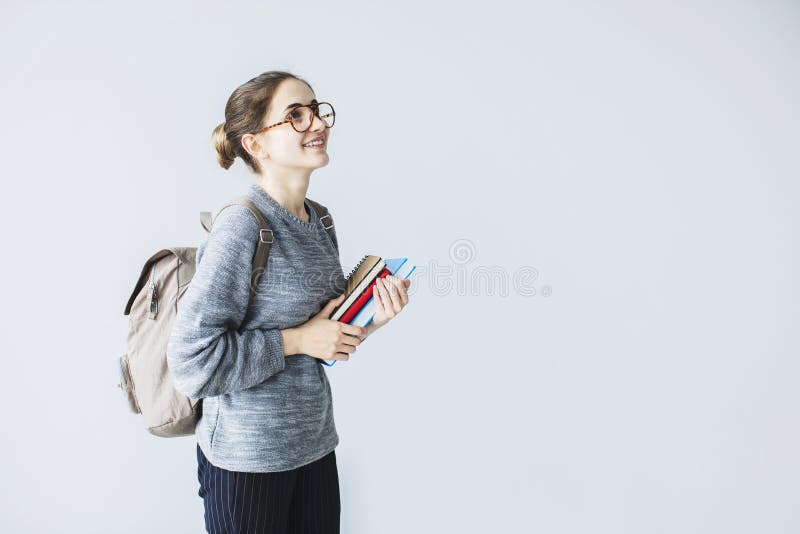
266,437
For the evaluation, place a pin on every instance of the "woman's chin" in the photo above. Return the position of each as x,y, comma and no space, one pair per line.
321,161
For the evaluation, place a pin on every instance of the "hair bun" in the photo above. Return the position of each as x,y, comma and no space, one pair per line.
225,153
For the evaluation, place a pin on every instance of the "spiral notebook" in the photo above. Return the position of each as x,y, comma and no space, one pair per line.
358,306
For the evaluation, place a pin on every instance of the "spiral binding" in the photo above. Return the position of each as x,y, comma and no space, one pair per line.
362,260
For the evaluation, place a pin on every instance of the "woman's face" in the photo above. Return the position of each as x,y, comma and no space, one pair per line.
283,145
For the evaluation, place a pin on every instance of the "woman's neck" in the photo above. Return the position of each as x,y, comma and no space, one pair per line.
291,196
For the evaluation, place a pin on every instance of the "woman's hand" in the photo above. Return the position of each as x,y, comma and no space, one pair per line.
391,296
325,338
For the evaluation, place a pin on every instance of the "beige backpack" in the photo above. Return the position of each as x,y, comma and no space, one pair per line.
144,375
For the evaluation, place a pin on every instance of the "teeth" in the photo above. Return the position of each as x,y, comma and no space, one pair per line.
314,143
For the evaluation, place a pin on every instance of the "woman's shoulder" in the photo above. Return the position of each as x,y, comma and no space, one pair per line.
234,230
234,216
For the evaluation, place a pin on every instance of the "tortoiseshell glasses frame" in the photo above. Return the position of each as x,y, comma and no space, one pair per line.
313,108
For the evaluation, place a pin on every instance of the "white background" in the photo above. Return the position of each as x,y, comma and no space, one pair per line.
641,158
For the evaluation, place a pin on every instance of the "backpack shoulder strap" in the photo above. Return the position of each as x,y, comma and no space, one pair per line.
325,218
265,239
205,220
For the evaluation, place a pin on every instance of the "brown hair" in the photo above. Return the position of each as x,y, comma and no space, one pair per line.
246,108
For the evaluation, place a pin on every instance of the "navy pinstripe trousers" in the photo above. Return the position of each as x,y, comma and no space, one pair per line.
302,500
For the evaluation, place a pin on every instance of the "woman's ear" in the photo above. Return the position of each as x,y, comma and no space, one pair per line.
253,147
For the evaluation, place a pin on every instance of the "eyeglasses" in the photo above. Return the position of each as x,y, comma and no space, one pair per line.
302,117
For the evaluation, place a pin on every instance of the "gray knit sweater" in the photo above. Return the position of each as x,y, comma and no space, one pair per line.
262,410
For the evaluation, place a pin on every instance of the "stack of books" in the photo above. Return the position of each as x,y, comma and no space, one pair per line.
358,306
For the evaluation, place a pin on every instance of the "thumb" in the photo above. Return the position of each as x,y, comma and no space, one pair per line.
327,310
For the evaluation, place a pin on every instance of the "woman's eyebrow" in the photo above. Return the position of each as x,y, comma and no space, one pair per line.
313,101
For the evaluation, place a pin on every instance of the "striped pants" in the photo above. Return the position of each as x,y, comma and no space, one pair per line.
302,500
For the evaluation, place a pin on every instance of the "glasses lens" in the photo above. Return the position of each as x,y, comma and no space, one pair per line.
326,113
301,116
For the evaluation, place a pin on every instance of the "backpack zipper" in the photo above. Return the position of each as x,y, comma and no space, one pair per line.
153,294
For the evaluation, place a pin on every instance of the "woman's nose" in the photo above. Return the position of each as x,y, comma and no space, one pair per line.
317,124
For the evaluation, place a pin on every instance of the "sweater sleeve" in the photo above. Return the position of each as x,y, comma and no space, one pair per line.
207,352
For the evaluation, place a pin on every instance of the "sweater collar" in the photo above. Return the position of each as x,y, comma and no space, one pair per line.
271,206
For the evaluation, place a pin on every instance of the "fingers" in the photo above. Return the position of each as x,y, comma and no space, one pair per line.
347,343
334,302
339,351
346,348
327,310
390,295
350,341
402,289
357,331
401,286
343,351
376,294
